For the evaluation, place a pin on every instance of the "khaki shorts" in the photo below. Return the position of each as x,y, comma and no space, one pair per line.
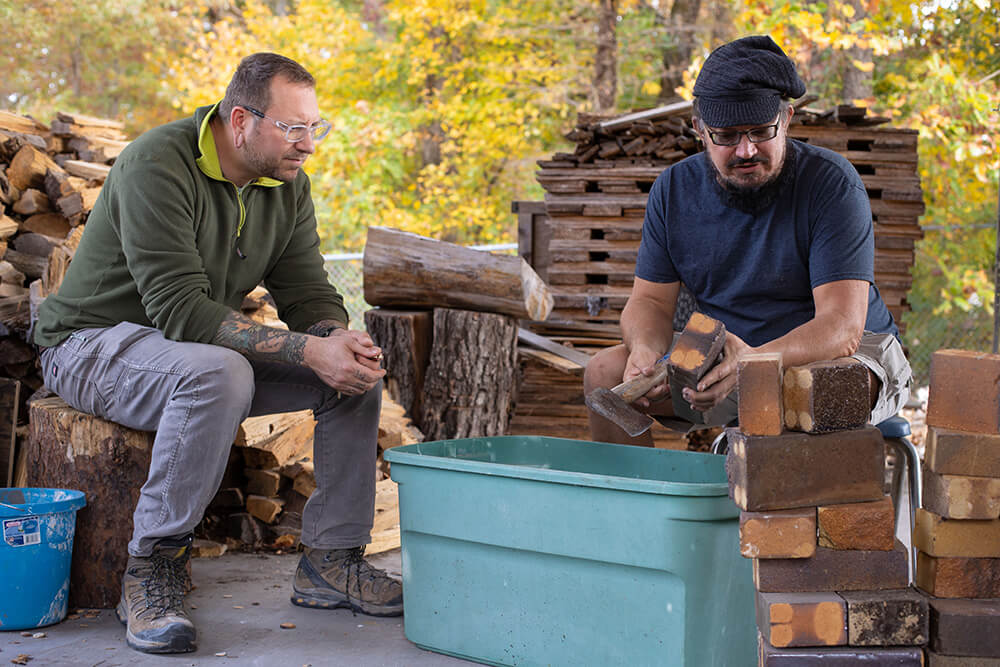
881,353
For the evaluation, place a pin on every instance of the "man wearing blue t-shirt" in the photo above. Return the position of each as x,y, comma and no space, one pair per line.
772,236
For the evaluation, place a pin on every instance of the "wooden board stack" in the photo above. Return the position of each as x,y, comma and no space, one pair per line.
832,579
957,530
585,239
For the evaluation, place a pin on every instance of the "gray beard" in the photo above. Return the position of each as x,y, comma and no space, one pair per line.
755,198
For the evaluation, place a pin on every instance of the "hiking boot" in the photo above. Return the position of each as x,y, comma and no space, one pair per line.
152,604
342,578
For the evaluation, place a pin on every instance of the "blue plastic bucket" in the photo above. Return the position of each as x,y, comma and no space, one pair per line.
36,549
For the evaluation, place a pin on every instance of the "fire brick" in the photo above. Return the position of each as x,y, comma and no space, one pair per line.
956,577
886,618
778,533
944,538
801,470
840,656
826,396
834,570
965,627
952,452
697,349
866,526
965,391
961,497
802,619
760,403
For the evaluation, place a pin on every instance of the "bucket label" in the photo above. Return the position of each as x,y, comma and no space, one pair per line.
22,532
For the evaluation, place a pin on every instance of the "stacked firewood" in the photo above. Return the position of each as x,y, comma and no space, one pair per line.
49,179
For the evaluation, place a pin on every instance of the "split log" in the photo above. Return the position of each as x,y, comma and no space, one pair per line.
10,401
281,446
12,122
405,270
31,202
8,226
31,243
8,274
405,339
88,170
28,168
468,391
50,224
265,509
31,266
109,463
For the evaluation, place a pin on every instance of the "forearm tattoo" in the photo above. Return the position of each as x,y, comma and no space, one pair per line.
324,328
259,342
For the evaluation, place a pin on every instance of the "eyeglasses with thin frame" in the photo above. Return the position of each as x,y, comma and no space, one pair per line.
295,133
755,135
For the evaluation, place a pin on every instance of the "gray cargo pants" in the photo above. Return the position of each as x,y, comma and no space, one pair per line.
195,396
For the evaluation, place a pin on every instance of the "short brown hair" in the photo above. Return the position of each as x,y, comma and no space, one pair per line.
251,83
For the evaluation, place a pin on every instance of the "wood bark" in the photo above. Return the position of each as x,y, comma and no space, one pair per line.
606,58
10,399
109,463
469,387
405,337
676,57
404,270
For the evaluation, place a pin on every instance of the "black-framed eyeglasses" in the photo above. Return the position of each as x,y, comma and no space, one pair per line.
296,133
755,135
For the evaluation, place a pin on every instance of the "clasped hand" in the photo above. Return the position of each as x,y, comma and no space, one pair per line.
349,361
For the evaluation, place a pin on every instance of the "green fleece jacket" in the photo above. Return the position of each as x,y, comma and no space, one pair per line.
162,245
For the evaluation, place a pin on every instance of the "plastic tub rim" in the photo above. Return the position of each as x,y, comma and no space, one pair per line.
74,500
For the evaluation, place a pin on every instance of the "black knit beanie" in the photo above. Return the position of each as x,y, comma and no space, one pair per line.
743,82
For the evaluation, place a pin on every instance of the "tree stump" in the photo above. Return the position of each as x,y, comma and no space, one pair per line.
405,339
469,386
109,463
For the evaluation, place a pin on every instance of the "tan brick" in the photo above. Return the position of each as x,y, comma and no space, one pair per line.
826,396
868,526
961,497
834,570
802,619
958,538
886,618
957,577
778,533
965,391
759,382
951,452
801,470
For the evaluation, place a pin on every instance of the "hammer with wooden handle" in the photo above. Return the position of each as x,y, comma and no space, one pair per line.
614,404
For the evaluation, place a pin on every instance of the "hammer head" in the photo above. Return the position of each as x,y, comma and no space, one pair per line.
610,405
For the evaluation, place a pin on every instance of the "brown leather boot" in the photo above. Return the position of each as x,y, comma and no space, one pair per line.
342,578
152,604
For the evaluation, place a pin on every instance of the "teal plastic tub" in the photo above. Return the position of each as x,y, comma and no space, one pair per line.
37,528
524,550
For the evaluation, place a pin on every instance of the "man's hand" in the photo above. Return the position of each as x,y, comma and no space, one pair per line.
348,361
718,382
640,362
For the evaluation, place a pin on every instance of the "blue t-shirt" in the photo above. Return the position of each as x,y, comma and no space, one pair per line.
755,271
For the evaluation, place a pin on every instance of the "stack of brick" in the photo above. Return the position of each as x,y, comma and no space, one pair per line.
809,475
957,530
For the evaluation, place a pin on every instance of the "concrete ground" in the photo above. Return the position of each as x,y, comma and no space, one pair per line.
238,605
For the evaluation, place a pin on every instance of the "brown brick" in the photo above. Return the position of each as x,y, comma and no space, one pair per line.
965,627
697,349
866,526
965,391
841,656
938,660
886,618
957,577
952,452
834,570
802,619
778,533
961,497
759,382
801,470
826,396
937,536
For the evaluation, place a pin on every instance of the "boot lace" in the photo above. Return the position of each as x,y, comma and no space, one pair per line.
164,587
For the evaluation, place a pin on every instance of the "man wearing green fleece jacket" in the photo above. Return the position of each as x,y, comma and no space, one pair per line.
146,331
